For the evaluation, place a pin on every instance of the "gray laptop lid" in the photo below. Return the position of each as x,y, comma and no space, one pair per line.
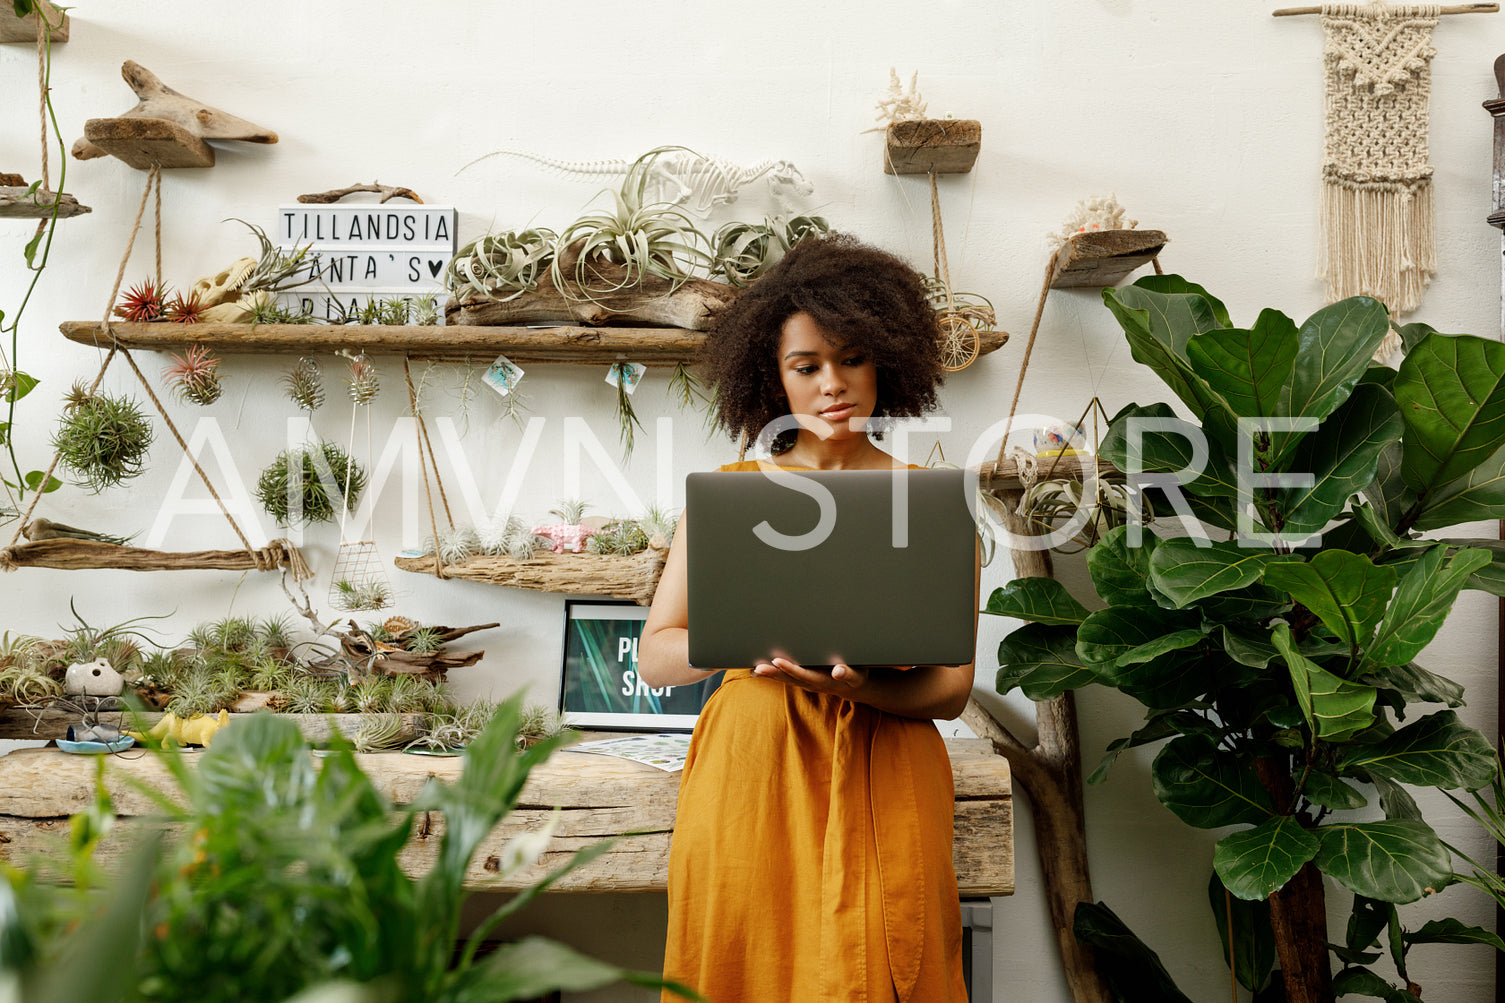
772,569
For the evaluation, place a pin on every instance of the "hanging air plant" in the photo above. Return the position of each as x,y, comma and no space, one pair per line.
303,385
744,251
316,497
362,381
143,303
194,376
102,439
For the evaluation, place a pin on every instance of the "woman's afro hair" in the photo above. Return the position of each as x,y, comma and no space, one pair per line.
863,297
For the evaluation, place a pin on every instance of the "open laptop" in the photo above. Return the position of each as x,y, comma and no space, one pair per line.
867,567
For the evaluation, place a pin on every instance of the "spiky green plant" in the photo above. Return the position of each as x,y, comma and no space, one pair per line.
276,631
407,695
103,439
352,597
195,693
373,695
536,723
314,502
307,694
362,381
424,641
276,270
269,675
379,733
425,310
234,633
303,385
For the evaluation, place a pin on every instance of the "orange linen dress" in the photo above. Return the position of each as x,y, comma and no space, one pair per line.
811,857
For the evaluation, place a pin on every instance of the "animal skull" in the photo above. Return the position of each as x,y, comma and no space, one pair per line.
96,679
213,290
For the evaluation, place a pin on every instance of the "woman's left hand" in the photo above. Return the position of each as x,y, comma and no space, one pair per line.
840,679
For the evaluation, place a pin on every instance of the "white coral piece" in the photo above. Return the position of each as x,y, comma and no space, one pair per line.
901,105
1099,212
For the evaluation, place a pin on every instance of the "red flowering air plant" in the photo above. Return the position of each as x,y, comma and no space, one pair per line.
194,376
185,309
143,302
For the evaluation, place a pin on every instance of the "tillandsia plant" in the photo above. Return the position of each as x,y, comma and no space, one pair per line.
143,303
501,266
741,252
241,908
303,385
362,380
101,438
305,484
608,252
194,376
1277,665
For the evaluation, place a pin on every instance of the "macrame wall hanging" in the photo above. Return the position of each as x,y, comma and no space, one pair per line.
1377,232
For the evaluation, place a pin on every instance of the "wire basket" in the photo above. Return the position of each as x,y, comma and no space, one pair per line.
359,581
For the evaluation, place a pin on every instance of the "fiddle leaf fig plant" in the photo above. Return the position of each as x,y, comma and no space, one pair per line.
1272,636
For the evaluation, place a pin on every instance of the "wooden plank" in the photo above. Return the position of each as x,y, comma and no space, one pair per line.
15,203
942,145
598,796
1103,257
144,143
33,724
652,346
21,30
632,577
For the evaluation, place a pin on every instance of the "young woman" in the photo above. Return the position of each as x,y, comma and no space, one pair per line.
811,857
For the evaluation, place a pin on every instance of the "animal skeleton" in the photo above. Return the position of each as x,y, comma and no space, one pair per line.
683,177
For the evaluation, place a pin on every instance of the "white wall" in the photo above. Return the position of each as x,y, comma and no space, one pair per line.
1204,119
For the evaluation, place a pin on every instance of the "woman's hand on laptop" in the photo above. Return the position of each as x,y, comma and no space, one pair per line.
840,679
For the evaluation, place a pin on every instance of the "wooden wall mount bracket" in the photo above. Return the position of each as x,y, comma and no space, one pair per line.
939,145
1100,258
165,127
23,30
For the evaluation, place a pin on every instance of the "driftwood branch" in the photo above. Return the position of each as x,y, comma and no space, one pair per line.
19,202
385,191
163,104
1051,774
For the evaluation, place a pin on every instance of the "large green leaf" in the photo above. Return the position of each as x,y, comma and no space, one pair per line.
1253,951
1335,709
1436,751
1328,791
1130,967
533,967
1185,572
20,385
1394,860
1160,314
1412,682
1477,495
1253,863
1451,391
1039,600
1152,439
1343,455
1388,491
1041,660
1423,598
1248,369
1346,591
1160,726
1336,344
1120,573
1208,788
1363,982
1125,635
1171,679
1451,931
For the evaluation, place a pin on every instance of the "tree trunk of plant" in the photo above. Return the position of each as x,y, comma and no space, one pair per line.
1050,773
1298,911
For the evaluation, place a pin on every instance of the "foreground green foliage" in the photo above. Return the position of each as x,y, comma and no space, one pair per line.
287,879
1278,670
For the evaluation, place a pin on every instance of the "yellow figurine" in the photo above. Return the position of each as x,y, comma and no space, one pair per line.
197,730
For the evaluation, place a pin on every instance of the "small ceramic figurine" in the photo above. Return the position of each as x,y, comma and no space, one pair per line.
96,679
1059,438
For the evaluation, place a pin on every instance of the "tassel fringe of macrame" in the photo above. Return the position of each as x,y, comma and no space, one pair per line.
1379,240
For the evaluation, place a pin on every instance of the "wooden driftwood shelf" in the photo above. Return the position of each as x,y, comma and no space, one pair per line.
1103,257
652,346
21,30
942,145
15,203
601,797
632,577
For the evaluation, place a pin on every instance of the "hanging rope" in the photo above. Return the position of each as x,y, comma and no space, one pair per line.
1029,346
942,269
407,374
44,32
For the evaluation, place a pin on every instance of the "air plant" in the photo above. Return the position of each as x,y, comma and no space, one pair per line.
379,733
536,723
362,381
973,308
185,309
373,695
425,310
501,266
1090,510
621,538
512,539
306,694
102,439
351,597
143,302
627,418
571,511
194,376
424,641
303,385
275,269
292,488
455,545
741,252
608,252
266,310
